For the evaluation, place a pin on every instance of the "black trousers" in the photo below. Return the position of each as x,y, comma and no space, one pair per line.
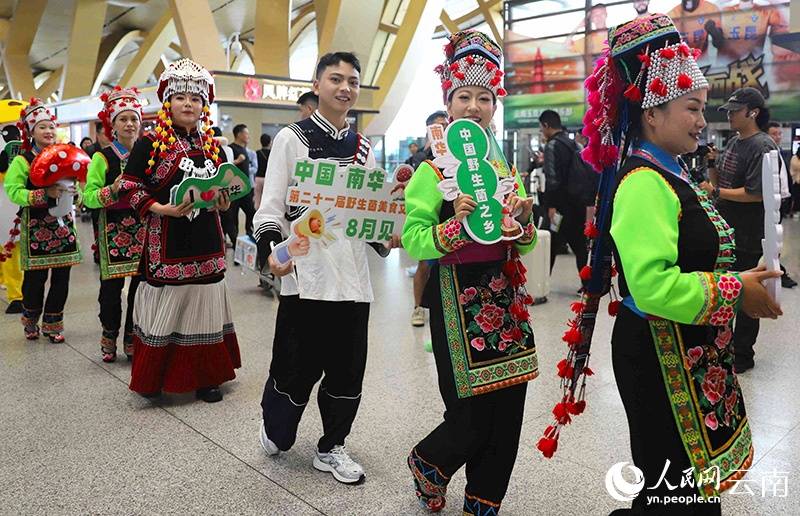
745,330
571,233
481,432
312,339
230,219
654,435
33,299
110,299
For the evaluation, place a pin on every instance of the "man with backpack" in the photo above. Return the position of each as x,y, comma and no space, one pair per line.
570,187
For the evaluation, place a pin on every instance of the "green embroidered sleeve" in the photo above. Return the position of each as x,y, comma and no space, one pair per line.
97,194
645,230
423,236
16,183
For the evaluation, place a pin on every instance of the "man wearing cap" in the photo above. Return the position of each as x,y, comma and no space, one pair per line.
736,177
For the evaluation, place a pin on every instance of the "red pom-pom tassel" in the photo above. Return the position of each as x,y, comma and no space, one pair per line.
633,93
684,81
572,336
591,231
667,53
586,273
547,446
613,308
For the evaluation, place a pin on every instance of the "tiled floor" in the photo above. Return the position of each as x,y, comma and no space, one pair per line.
75,440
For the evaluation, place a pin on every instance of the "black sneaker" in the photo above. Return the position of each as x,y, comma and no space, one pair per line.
14,307
209,394
786,282
741,368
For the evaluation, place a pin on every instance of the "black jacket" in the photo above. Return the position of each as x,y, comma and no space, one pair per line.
558,157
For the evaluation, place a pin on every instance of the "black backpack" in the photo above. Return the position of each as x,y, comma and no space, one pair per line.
582,180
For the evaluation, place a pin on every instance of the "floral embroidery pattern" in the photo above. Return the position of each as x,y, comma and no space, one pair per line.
722,294
179,271
449,236
48,236
489,324
37,198
105,196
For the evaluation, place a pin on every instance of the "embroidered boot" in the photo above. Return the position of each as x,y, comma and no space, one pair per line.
30,323
108,346
127,346
474,506
430,485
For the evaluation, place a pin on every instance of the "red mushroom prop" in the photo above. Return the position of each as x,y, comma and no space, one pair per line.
59,162
63,164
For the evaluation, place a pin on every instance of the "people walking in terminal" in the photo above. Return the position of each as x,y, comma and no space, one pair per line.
184,339
737,180
49,245
672,339
569,189
321,325
479,320
120,235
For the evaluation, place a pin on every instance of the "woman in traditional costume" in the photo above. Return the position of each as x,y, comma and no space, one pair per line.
671,343
482,337
183,336
48,245
120,235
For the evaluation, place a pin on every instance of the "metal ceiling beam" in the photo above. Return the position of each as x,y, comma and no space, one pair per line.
84,44
198,33
19,38
153,45
271,49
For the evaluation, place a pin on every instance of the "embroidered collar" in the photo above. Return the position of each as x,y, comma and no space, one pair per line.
120,150
329,128
661,158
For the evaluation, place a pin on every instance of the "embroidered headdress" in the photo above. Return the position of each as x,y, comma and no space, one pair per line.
183,76
647,65
117,101
31,115
186,76
471,59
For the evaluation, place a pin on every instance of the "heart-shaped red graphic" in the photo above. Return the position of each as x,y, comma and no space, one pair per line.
207,196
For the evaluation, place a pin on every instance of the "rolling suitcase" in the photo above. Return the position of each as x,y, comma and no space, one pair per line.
538,264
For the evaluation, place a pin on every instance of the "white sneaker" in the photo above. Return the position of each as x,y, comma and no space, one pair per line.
418,316
339,464
269,447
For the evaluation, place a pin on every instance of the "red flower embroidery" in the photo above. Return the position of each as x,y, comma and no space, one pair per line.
490,318
478,343
714,384
468,295
502,346
128,221
729,287
62,232
172,271
722,316
140,234
136,249
711,421
497,284
206,268
190,270
154,239
220,264
730,401
113,252
723,337
43,234
695,354
123,240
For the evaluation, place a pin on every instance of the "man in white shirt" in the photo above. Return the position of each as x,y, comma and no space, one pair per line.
321,326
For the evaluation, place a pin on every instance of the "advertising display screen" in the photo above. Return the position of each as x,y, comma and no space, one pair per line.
551,46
